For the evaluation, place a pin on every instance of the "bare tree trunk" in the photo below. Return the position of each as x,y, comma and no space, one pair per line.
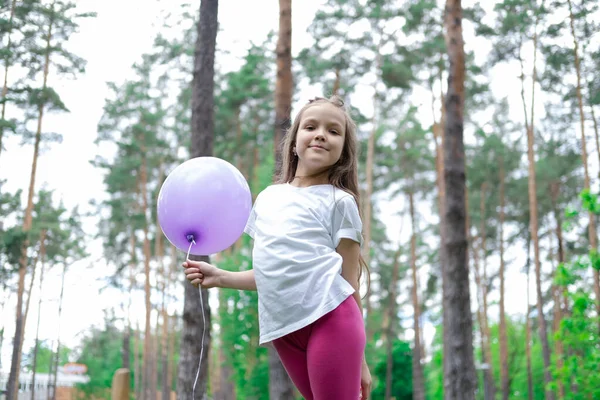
390,327
171,361
459,372
480,312
147,354
57,357
418,378
504,378
489,372
6,67
557,291
37,329
137,367
592,234
165,383
438,131
284,84
528,328
30,289
15,366
367,201
280,385
196,324
533,210
127,331
336,83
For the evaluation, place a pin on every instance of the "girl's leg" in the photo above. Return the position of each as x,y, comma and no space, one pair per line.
292,353
335,353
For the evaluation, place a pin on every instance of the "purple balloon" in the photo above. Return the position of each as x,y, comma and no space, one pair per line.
205,197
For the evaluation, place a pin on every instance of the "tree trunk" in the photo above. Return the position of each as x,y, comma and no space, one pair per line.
418,380
2,305
490,388
57,357
480,312
127,330
37,329
137,367
459,372
172,370
504,378
280,385
592,234
165,385
336,83
30,289
533,210
390,327
528,327
147,354
196,324
367,202
170,341
438,132
6,67
15,366
284,85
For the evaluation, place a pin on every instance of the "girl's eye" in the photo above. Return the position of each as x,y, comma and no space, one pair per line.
309,127
334,132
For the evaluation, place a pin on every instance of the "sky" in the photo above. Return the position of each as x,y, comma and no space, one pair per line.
111,44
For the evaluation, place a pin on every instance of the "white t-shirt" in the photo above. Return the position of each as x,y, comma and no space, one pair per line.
297,270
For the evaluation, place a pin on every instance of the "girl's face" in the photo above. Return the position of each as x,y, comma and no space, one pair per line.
320,138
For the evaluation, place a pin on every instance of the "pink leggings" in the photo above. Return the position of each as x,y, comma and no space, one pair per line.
324,359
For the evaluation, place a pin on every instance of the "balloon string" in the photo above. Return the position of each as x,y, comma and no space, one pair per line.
203,327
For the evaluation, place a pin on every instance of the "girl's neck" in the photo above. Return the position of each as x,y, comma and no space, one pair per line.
320,178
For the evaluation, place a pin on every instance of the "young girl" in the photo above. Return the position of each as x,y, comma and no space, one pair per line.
307,234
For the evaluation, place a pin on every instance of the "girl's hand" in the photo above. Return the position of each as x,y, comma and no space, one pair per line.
365,381
202,273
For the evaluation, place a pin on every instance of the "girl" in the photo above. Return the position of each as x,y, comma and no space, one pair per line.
307,234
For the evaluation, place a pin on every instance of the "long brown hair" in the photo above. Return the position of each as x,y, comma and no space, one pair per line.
343,174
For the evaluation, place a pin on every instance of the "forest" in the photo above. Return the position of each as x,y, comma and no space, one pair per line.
479,174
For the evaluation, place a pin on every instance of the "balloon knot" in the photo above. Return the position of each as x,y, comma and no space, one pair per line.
190,238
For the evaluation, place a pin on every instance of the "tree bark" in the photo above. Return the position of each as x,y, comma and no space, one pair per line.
37,329
417,369
490,386
15,366
137,367
528,327
459,372
147,354
533,211
284,85
57,357
504,378
280,385
201,145
592,234
390,327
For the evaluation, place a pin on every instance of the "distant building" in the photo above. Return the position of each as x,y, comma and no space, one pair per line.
68,376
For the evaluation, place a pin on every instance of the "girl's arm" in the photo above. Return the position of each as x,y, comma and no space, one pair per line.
350,252
208,276
242,280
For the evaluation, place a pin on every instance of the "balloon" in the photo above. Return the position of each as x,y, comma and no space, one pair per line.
205,199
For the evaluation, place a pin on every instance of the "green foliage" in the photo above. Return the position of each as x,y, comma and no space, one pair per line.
401,372
100,351
45,358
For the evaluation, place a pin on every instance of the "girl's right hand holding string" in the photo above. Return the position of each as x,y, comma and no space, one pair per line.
203,273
